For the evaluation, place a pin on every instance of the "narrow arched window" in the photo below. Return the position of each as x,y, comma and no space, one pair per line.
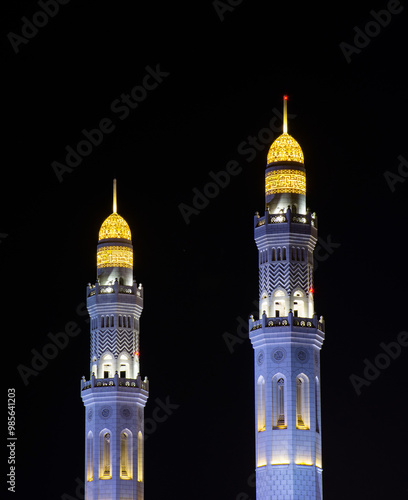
102,322
261,403
279,253
89,456
273,254
126,455
302,417
280,400
120,320
105,466
284,253
140,457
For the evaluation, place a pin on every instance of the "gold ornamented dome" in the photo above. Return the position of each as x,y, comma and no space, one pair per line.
285,148
115,226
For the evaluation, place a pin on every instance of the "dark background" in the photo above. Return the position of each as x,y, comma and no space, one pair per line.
226,77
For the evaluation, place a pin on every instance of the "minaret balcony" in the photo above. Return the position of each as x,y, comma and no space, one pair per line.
287,222
115,383
115,288
287,327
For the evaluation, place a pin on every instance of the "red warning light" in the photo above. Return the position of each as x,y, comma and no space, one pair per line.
285,97
137,353
311,290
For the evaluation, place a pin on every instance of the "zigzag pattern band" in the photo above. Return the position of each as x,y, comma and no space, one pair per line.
115,341
287,275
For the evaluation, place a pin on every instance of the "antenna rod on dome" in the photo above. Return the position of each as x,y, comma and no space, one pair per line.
115,207
285,114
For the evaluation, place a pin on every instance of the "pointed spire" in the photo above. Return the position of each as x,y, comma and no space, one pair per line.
285,114
115,207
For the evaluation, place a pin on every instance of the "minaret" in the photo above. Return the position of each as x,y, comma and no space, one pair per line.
288,337
115,395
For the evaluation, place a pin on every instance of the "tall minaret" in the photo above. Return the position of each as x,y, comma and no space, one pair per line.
115,395
288,337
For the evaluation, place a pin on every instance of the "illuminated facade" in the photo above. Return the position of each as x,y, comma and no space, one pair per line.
115,395
288,336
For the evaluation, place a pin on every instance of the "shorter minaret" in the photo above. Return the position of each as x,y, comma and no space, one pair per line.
288,335
115,395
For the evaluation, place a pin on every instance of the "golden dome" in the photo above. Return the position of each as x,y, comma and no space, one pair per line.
285,148
115,226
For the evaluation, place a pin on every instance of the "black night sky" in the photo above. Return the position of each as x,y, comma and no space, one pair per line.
220,81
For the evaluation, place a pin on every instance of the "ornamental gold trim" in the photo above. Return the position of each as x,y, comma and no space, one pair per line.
285,181
114,256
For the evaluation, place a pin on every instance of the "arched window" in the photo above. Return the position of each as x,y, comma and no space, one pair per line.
261,403
279,253
107,369
120,320
126,454
284,253
298,304
89,456
105,464
280,403
302,403
139,457
273,254
102,322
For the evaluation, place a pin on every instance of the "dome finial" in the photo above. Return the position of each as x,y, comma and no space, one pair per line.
115,207
285,114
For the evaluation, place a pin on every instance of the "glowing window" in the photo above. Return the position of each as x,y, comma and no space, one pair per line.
89,457
302,406
280,403
261,403
140,457
105,465
126,454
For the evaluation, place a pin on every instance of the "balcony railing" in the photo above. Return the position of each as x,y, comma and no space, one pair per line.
116,381
285,321
115,288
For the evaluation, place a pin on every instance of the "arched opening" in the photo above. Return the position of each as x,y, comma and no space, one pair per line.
139,457
124,366
261,403
126,454
89,456
107,366
279,402
278,306
105,463
302,402
298,304
265,304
